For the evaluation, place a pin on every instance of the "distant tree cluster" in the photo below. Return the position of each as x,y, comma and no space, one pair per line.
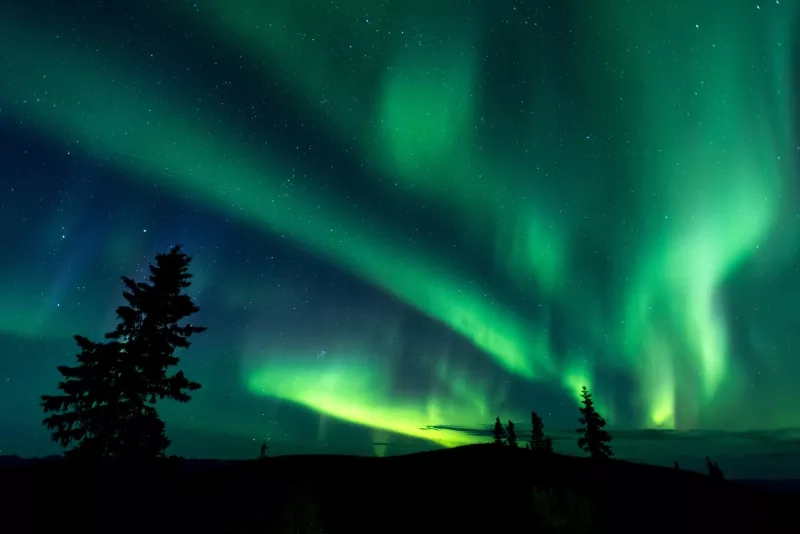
107,406
594,438
505,436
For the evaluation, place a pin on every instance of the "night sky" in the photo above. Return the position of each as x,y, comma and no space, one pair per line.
410,217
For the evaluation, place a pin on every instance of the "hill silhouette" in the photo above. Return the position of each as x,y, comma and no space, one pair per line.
471,488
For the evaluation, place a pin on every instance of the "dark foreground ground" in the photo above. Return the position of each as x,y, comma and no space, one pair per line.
468,489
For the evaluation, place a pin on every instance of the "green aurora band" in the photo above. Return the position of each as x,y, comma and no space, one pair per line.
711,163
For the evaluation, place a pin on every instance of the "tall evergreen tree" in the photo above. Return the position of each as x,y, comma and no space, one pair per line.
537,432
594,438
107,408
499,432
511,435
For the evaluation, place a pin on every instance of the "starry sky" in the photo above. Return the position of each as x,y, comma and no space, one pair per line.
408,217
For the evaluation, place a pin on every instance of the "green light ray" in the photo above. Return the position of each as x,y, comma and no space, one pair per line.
424,117
62,91
715,182
425,121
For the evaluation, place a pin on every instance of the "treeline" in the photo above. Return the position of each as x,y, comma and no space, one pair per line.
593,439
106,408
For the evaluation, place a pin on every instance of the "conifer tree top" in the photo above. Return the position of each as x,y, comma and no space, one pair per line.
108,403
594,438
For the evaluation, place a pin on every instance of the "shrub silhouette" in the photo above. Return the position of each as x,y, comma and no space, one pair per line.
107,408
714,471
594,438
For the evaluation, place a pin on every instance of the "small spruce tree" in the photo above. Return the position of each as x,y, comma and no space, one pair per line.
537,432
714,470
107,408
594,438
548,445
499,432
511,435
263,453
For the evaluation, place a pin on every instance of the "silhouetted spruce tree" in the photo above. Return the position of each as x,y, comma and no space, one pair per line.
263,453
594,439
537,432
511,435
714,471
499,432
548,445
107,408
676,465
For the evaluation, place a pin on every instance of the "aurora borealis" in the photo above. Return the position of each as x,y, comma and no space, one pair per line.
410,217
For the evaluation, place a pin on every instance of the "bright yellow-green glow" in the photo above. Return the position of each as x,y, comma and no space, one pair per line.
659,382
576,375
354,391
